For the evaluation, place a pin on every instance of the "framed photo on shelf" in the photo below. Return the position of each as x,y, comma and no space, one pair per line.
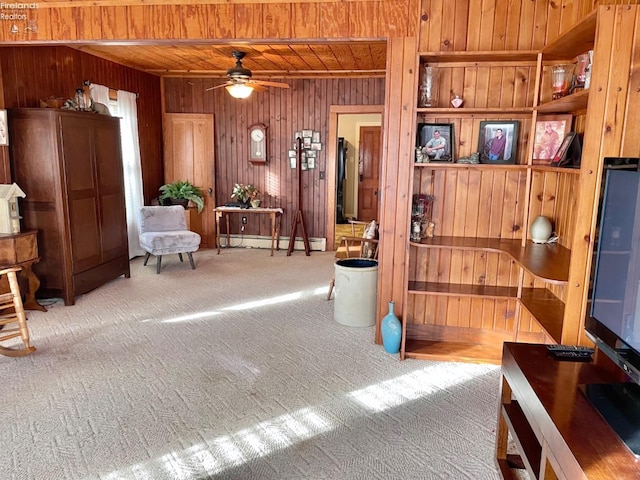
570,152
550,131
434,142
497,142
4,128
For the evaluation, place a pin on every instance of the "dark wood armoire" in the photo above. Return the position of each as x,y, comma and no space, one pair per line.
69,164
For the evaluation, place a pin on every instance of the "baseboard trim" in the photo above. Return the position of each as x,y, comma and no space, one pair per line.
261,241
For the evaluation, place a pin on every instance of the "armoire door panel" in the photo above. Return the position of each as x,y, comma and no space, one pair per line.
77,152
85,234
113,226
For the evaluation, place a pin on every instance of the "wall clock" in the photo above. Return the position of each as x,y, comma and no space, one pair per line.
258,143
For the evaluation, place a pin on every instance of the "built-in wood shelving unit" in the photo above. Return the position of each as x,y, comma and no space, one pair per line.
539,289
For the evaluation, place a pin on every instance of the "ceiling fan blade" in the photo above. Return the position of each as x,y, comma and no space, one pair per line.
269,84
217,86
258,88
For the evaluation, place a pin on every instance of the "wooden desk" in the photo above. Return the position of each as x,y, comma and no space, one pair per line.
275,214
21,250
559,434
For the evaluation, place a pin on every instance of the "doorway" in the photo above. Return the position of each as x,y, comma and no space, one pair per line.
356,125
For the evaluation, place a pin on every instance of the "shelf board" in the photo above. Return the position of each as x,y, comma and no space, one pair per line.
577,40
549,168
548,262
524,437
449,289
480,166
546,308
482,111
481,56
453,351
576,102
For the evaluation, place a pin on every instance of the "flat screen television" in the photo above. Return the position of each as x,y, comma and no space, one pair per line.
613,322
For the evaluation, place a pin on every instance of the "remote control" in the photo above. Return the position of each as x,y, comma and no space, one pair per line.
575,356
569,348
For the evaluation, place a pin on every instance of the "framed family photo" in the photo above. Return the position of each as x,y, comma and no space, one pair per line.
570,152
550,131
497,142
434,142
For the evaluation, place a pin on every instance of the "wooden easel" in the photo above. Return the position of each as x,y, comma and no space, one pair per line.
298,218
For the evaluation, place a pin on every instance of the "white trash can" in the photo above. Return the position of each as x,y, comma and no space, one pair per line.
356,292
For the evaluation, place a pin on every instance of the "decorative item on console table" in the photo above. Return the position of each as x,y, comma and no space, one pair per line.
180,193
245,194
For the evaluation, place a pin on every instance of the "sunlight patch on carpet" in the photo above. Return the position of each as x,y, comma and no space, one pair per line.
229,451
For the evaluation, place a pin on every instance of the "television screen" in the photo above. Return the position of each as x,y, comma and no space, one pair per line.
616,299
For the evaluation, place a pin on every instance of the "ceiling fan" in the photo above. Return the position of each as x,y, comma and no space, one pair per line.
240,84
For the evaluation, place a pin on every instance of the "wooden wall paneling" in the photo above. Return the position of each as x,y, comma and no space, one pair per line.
194,21
88,24
63,24
397,162
500,25
487,24
305,20
34,73
219,18
554,18
112,23
276,19
365,18
631,125
598,130
512,26
538,34
333,21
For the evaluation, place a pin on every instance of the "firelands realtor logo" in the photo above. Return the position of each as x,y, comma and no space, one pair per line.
18,15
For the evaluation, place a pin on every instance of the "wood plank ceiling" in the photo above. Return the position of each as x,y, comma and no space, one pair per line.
295,60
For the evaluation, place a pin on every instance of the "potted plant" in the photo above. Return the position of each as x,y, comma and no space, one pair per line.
245,194
180,193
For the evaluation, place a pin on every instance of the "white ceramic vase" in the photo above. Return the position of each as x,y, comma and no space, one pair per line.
540,230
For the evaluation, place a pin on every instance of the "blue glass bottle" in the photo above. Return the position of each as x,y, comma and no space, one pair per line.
391,330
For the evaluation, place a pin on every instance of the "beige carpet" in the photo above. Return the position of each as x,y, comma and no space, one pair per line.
235,370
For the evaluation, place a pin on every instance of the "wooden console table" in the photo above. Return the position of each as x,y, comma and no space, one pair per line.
21,250
558,433
275,214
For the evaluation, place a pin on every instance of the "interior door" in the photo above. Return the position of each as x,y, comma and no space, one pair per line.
369,173
189,155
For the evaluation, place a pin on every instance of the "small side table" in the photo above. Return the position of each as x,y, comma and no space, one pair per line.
21,250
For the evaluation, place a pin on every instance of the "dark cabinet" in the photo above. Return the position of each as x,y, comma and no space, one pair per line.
69,164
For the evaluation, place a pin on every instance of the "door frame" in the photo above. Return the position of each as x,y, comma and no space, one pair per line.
332,153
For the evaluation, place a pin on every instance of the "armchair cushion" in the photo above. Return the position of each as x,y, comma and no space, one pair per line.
163,230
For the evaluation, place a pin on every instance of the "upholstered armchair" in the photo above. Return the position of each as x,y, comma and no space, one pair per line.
163,231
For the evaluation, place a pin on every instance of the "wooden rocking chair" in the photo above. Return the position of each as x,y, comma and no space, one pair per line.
357,247
11,302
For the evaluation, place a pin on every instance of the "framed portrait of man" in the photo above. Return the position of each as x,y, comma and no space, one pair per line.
498,141
550,130
434,142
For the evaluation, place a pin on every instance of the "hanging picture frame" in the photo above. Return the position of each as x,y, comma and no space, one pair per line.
4,128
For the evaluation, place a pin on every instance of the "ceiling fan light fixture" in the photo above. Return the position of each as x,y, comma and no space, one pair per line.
239,90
